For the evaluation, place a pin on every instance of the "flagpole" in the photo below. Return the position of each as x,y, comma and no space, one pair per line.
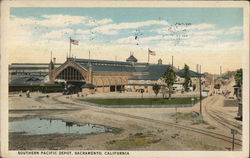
69,47
148,55
89,54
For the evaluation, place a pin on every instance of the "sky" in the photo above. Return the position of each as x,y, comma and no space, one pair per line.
212,37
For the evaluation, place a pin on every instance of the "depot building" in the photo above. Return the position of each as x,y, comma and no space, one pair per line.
94,75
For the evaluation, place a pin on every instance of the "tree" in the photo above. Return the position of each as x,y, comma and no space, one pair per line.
142,91
169,78
156,88
238,77
217,86
186,77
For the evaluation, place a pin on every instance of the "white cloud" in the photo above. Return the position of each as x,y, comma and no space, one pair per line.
82,32
114,28
126,40
235,30
57,33
172,28
61,20
93,22
209,32
201,27
58,20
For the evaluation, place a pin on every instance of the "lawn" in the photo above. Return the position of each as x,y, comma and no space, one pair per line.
140,101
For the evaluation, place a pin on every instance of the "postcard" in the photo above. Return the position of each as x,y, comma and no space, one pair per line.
124,79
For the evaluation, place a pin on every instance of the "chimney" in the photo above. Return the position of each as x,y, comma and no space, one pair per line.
54,60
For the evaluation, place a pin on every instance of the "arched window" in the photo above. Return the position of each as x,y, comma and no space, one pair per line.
70,74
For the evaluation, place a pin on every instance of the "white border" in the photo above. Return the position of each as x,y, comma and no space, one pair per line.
5,5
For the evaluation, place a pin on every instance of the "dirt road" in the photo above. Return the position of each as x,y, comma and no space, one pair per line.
140,128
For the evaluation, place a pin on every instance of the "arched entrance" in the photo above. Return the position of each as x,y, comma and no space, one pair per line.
70,74
73,77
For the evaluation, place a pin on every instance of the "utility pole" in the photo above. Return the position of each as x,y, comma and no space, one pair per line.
220,70
200,94
69,47
176,121
233,132
172,61
148,56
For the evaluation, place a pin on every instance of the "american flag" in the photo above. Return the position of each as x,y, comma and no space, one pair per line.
150,52
75,42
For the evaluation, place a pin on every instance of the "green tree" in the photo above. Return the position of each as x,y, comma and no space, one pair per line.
217,86
169,78
238,77
186,77
156,88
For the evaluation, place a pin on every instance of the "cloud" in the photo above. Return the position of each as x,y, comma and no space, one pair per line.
93,22
201,27
186,28
57,33
209,32
126,40
235,30
114,28
58,20
61,20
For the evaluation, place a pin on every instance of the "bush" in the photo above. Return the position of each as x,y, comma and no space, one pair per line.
217,86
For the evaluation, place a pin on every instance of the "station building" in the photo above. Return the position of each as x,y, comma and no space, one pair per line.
100,75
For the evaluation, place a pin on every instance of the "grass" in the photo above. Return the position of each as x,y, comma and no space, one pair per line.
116,130
191,116
202,146
139,101
132,142
186,116
211,127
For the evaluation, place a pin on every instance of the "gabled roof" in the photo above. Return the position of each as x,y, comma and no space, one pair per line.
131,59
192,73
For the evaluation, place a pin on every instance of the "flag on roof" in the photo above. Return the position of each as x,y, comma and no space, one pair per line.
150,52
75,42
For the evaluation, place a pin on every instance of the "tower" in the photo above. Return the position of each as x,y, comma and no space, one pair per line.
51,69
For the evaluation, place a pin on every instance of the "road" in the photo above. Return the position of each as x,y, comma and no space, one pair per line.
144,120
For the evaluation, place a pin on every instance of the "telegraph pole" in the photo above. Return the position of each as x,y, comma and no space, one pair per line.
200,94
172,61
220,70
69,47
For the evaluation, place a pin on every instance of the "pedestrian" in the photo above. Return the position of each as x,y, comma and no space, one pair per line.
28,93
20,94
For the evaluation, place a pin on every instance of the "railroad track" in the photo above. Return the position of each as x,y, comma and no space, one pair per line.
165,123
218,117
229,122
